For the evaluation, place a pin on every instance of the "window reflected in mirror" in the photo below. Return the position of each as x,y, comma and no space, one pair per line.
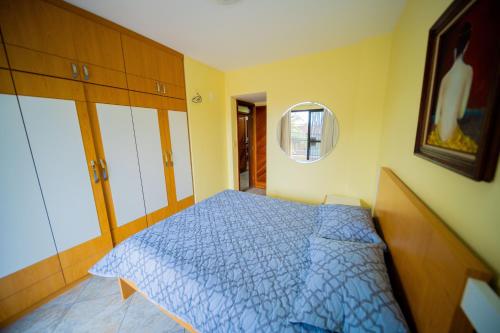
307,132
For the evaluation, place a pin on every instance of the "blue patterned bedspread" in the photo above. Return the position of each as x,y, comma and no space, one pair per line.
231,263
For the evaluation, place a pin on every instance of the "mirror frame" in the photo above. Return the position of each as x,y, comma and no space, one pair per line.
335,127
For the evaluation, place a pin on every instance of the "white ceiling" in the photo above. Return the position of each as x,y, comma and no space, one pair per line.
250,32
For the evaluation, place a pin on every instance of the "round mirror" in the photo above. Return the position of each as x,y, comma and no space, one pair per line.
307,132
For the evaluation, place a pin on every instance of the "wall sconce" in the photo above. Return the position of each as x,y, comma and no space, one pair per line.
197,98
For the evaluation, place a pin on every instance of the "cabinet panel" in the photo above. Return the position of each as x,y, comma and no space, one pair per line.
29,276
104,76
3,57
148,100
151,158
142,84
140,58
38,25
23,218
44,86
27,60
6,85
167,147
175,104
166,66
179,138
54,132
30,295
176,91
178,71
117,132
97,44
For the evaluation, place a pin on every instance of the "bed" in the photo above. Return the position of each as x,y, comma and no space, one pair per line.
237,262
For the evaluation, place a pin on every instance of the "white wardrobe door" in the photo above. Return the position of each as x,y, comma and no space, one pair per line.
118,139
56,141
25,236
179,138
147,135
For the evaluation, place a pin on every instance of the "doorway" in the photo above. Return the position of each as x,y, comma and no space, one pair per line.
251,132
243,151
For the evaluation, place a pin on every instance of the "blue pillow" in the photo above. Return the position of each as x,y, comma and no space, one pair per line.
347,289
347,223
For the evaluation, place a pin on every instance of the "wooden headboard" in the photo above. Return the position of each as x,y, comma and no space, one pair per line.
428,263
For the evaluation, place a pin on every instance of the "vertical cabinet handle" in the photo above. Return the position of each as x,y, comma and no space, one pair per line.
74,71
96,176
171,159
164,90
103,168
85,72
158,87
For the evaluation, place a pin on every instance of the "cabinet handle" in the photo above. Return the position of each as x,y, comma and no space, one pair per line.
85,72
171,159
103,168
158,87
164,90
96,176
74,71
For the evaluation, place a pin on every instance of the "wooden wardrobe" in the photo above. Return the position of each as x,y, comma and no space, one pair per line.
94,142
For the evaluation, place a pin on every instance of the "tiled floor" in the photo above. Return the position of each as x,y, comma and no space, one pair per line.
95,305
255,190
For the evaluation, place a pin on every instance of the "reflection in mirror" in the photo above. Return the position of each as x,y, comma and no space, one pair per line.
307,132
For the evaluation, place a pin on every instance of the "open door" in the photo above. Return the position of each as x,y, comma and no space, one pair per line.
244,127
252,131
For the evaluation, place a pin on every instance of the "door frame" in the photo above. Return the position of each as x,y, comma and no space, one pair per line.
258,183
251,143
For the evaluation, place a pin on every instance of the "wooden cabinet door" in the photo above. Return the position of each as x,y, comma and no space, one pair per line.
99,49
58,128
113,131
39,37
23,218
175,83
178,70
3,57
27,273
153,147
143,84
180,154
149,68
45,39
141,58
165,66
20,196
38,25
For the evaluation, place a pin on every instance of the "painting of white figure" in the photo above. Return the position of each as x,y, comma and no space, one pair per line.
453,97
464,64
459,120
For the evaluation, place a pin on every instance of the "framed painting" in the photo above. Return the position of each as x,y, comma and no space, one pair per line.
459,121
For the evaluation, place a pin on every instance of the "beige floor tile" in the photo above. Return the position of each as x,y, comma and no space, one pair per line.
71,295
43,320
144,316
99,287
102,315
95,305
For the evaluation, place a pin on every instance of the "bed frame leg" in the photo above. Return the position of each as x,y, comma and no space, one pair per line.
125,289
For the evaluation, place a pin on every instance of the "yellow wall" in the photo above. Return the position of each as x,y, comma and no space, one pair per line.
373,87
351,81
471,209
207,128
